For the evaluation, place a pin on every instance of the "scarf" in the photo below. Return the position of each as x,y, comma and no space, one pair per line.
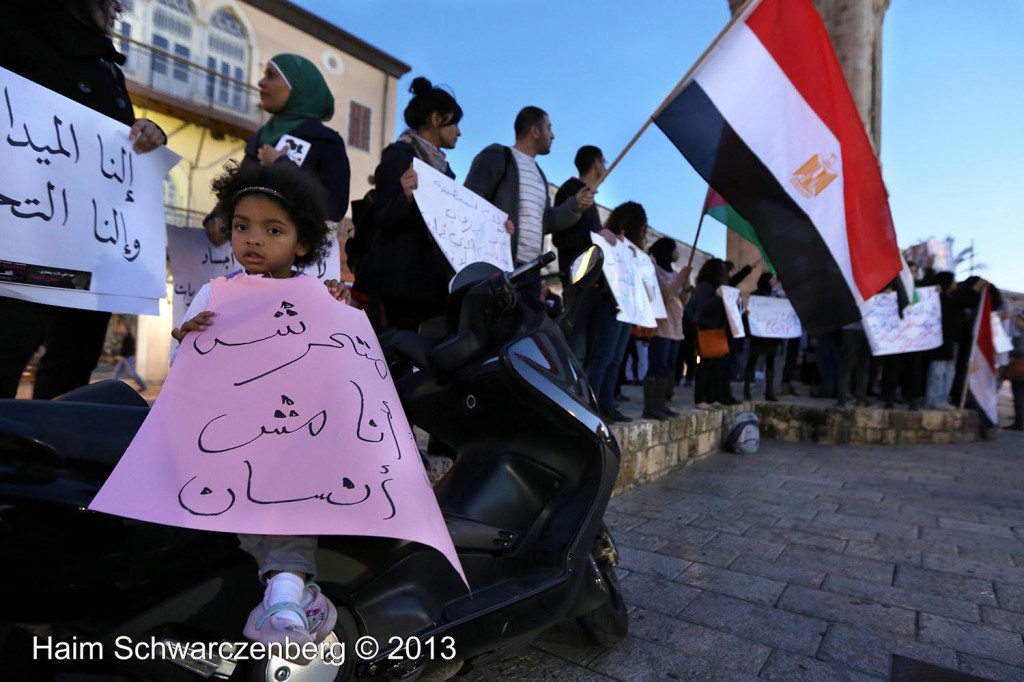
425,152
310,98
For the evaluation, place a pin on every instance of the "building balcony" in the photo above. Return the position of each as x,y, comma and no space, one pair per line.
183,217
172,85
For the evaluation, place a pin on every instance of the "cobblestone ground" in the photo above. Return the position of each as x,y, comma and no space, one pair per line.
808,562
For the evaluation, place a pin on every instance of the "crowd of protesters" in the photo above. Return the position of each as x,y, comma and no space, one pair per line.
401,276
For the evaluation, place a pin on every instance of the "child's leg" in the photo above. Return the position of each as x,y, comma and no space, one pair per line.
275,553
292,607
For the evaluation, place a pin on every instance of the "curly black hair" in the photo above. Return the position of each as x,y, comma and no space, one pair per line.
303,199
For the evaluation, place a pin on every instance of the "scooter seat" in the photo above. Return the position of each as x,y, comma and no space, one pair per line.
85,433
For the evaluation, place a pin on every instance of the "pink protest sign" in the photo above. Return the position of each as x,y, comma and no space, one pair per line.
280,419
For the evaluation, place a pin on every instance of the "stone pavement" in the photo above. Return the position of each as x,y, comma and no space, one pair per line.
810,562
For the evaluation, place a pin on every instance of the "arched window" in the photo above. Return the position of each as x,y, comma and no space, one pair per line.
227,58
173,27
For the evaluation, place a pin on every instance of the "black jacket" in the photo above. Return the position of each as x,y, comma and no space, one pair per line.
708,308
326,161
574,240
403,259
46,44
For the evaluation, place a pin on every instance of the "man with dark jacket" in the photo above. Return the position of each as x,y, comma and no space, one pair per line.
575,239
510,178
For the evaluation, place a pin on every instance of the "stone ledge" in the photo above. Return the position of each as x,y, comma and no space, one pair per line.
651,449
865,425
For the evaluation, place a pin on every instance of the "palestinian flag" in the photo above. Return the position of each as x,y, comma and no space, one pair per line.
719,209
768,121
983,373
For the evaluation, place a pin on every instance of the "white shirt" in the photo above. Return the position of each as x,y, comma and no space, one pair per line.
533,196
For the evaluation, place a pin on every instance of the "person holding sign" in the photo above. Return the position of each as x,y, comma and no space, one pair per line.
295,94
64,46
277,222
405,271
664,348
608,336
759,346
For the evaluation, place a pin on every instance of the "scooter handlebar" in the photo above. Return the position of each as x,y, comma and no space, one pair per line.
530,267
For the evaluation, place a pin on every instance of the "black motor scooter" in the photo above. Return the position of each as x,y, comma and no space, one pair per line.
534,467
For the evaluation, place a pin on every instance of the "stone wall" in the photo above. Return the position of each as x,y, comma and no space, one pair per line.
651,449
865,425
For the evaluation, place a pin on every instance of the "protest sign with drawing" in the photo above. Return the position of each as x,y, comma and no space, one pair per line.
466,227
81,214
772,318
920,328
280,419
733,311
195,261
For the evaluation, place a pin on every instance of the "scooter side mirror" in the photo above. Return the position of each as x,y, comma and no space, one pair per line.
585,269
583,275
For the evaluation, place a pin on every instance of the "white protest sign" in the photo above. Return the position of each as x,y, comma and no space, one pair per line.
466,227
650,280
1000,339
195,261
733,311
623,276
773,318
919,329
81,214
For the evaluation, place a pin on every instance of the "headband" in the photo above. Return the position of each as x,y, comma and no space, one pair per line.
259,189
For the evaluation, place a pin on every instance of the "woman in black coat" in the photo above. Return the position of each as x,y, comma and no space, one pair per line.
295,94
405,271
709,313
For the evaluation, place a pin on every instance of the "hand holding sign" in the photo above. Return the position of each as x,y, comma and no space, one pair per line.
466,227
279,419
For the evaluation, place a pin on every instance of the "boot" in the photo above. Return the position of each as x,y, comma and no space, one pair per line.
666,391
769,384
652,392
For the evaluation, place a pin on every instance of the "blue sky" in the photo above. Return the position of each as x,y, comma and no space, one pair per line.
952,104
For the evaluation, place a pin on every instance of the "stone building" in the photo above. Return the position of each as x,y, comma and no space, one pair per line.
193,66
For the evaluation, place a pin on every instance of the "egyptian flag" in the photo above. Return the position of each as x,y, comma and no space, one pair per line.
983,373
719,209
767,119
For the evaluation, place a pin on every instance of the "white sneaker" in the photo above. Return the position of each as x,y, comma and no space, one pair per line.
316,611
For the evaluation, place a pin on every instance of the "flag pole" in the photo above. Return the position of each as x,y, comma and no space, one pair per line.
740,13
693,248
974,344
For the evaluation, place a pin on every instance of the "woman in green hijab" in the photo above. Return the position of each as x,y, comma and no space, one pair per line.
294,93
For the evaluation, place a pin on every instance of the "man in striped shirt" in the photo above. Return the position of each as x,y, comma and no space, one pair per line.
510,178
